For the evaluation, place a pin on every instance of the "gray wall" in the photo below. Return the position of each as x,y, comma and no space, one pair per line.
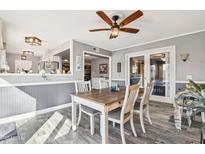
12,57
193,44
95,72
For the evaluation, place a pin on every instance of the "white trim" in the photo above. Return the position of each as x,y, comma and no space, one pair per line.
146,54
102,55
71,57
198,82
118,79
3,85
157,40
69,104
34,113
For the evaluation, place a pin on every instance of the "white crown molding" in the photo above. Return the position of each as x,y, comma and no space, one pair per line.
157,40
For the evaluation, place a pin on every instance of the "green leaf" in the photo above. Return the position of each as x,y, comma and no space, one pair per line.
202,87
194,87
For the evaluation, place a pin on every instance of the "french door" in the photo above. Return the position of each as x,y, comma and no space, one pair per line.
158,66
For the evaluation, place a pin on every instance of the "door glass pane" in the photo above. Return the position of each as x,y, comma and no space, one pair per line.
160,74
137,70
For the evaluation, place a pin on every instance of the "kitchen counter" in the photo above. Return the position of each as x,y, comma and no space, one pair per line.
16,80
7,84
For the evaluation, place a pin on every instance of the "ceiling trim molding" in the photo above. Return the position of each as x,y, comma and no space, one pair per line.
157,40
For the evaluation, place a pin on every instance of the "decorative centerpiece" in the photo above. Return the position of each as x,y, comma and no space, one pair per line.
115,87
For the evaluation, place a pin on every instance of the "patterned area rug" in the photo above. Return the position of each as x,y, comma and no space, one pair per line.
7,131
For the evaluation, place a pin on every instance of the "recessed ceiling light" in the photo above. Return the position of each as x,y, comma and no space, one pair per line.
87,55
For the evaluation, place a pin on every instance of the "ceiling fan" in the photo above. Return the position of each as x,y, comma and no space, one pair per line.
115,27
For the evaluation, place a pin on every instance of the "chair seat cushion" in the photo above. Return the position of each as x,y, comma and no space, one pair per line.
88,109
115,114
137,106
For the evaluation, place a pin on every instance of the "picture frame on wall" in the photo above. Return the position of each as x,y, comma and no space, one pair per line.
118,67
103,68
78,63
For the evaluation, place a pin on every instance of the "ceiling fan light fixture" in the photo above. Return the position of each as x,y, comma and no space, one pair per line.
115,31
116,27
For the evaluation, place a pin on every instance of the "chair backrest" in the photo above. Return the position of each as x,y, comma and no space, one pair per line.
130,99
147,93
103,83
83,86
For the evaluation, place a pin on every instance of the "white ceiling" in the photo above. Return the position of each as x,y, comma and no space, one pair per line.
57,27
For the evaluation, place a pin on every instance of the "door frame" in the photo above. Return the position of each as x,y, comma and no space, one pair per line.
101,55
172,51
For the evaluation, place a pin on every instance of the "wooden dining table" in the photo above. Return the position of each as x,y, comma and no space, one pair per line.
103,100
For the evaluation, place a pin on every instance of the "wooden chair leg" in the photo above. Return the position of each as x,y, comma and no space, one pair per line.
132,126
79,116
142,121
122,133
92,124
148,116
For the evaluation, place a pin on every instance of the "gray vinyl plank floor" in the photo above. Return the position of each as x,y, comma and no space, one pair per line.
54,128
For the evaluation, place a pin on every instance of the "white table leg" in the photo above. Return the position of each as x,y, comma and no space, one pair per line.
203,117
104,126
74,127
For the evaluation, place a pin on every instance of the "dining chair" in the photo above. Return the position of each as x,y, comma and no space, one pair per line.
143,106
81,87
125,113
103,83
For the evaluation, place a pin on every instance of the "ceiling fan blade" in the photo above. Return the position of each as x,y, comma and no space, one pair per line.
105,17
131,18
129,30
101,29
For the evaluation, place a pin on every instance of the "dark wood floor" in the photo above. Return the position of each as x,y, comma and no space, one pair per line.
162,131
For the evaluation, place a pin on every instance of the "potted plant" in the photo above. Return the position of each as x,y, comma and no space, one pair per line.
192,99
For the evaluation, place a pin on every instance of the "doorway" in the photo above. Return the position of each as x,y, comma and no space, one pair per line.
96,67
157,65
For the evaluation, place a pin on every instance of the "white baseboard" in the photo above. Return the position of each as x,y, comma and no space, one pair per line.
34,113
